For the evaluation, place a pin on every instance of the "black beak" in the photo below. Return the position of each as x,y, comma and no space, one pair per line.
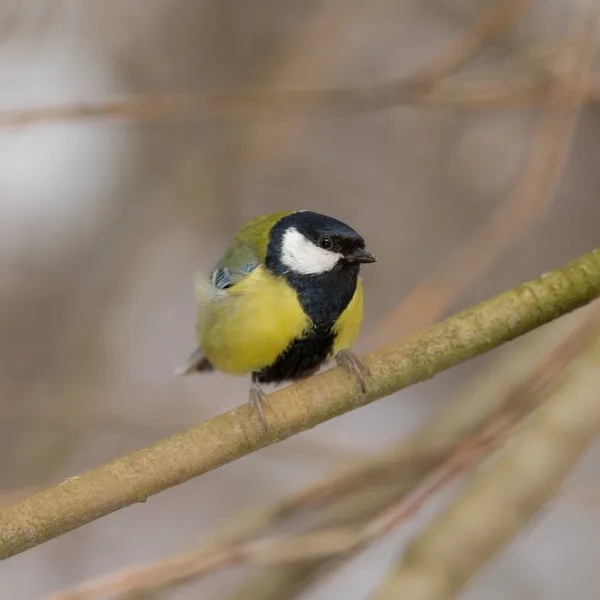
360,255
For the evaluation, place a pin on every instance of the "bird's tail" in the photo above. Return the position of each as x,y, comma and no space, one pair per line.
196,363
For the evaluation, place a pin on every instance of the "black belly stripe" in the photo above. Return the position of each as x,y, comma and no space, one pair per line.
303,356
323,298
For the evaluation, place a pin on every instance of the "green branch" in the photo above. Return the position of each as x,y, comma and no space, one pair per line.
231,435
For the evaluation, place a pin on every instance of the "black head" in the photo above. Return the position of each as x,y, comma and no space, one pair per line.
312,244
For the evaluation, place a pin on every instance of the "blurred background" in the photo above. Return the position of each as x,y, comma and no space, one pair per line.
104,224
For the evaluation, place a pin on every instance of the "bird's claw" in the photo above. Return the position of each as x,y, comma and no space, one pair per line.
354,365
258,399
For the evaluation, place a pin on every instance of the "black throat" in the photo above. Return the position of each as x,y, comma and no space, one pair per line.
324,298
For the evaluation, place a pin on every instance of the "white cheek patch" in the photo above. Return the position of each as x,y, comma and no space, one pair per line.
300,255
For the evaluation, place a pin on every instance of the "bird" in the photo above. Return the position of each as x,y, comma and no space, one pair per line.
285,298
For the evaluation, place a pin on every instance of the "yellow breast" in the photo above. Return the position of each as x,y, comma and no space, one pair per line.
348,325
252,325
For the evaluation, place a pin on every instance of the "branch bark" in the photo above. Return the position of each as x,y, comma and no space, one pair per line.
231,435
292,549
501,500
520,375
240,543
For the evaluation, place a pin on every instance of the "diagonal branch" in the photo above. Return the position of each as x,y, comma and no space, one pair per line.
231,435
278,550
501,500
234,546
393,474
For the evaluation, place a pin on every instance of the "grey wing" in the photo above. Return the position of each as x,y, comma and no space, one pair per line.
223,277
229,271
239,260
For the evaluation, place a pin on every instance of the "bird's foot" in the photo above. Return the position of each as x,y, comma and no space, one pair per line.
354,365
257,400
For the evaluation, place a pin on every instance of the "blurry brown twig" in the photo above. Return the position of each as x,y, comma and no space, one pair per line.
460,95
305,57
521,210
364,490
231,547
299,59
502,15
500,501
418,88
318,544
516,401
427,570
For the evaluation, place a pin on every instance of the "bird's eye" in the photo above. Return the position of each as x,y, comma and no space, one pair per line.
325,243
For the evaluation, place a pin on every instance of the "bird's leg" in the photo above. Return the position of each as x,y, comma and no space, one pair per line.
354,365
257,399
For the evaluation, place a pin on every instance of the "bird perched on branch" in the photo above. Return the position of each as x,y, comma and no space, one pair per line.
284,299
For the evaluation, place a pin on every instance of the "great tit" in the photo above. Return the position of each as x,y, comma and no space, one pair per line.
284,299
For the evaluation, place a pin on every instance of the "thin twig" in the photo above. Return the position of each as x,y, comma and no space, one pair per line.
387,478
501,500
330,542
522,209
518,400
549,446
502,15
417,88
306,57
251,105
292,549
